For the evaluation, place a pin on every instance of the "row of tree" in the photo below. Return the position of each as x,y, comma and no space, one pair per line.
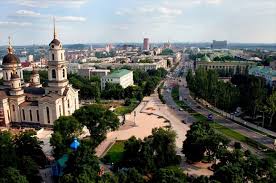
145,81
206,84
246,91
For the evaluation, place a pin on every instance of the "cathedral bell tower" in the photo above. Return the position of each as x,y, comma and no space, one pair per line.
57,67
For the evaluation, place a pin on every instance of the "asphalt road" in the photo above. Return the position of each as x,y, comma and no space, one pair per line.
184,93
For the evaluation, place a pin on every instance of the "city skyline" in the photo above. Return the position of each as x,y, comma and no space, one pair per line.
94,21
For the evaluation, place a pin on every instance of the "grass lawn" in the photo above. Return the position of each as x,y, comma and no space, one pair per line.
115,153
122,110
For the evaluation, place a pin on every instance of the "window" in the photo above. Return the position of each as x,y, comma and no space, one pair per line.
31,115
48,114
68,104
53,57
23,114
13,108
75,104
61,56
54,74
60,110
63,73
37,115
8,114
6,75
53,46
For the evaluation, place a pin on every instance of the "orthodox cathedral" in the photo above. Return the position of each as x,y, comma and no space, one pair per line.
30,103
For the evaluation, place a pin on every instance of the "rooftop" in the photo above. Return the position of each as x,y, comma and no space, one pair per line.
263,71
119,73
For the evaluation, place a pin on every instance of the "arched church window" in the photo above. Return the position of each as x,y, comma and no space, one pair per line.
13,108
23,114
61,56
54,74
37,115
48,114
31,115
6,75
63,73
53,46
53,57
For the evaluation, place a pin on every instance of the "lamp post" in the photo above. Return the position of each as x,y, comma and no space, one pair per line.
134,118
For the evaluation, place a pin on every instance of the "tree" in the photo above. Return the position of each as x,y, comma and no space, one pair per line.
131,175
202,139
65,129
231,173
155,151
30,169
7,150
113,91
163,143
170,174
82,165
27,144
132,148
237,166
151,85
167,51
98,120
12,175
271,107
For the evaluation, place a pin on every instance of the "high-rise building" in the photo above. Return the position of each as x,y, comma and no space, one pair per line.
146,44
219,44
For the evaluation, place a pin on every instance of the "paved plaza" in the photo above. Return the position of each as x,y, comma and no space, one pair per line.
150,114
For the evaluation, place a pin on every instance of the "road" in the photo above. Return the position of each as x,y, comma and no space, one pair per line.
184,93
261,138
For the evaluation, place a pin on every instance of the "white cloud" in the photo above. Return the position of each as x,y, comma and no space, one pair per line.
11,23
27,13
121,27
161,10
213,1
47,3
70,19
31,14
169,11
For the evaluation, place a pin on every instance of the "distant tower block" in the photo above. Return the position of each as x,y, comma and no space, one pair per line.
146,46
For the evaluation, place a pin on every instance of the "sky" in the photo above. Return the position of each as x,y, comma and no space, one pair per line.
108,21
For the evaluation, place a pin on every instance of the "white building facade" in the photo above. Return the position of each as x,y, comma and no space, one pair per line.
122,77
35,105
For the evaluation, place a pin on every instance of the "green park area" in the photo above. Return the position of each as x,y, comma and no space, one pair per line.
125,109
115,153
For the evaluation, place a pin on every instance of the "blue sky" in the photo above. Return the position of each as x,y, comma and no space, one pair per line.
91,21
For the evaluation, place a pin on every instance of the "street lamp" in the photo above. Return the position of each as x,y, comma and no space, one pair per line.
134,118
